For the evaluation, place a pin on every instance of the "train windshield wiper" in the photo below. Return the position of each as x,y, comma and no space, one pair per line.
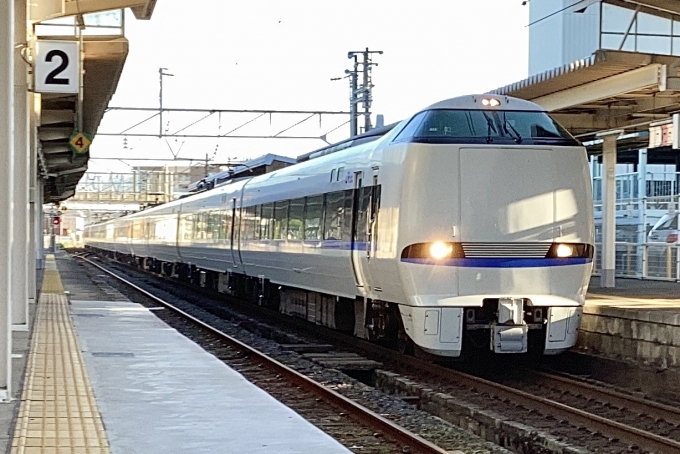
514,134
490,126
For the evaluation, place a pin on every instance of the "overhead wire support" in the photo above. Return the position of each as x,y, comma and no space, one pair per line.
360,94
208,113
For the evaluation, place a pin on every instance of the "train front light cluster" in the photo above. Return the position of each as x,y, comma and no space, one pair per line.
570,250
436,250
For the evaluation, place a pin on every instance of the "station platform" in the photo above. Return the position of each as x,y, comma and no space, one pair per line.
106,375
638,320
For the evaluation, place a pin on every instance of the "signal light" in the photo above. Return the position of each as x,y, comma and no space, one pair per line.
56,220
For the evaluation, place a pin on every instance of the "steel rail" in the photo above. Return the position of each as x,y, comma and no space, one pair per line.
633,403
416,443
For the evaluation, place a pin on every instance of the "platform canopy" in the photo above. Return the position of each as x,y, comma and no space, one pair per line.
611,90
104,57
656,7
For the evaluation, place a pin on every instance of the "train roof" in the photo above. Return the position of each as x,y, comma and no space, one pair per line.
483,102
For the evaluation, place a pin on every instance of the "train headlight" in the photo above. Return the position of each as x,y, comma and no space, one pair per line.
439,250
565,250
492,102
570,250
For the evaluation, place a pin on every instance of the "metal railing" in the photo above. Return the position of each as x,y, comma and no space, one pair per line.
107,23
636,257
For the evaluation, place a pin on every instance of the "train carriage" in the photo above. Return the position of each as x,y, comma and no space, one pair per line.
469,224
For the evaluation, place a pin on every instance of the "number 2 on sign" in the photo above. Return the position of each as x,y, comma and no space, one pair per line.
52,76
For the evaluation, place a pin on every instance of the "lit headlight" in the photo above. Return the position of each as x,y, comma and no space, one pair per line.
439,250
493,102
565,250
570,250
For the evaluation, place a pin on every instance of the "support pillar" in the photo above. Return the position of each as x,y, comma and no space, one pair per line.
608,208
642,207
40,224
32,201
19,270
6,145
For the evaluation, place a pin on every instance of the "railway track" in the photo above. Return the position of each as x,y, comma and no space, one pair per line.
271,374
624,421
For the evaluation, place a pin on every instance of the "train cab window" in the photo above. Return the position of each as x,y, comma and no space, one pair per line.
487,126
296,212
313,217
280,220
335,204
332,175
339,176
411,128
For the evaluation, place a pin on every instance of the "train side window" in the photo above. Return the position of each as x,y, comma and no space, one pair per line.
187,226
313,217
363,214
266,221
347,215
246,223
225,230
208,222
253,221
341,170
332,175
296,214
411,128
335,204
280,220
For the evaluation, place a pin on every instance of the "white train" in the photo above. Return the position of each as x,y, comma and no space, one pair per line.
468,225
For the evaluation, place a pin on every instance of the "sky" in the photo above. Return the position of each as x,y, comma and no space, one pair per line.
281,55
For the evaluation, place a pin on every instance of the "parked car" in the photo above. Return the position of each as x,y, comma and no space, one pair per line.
665,230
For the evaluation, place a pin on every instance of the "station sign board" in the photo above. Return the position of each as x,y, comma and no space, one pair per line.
665,134
57,67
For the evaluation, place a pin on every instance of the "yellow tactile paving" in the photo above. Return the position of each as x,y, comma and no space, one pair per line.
58,413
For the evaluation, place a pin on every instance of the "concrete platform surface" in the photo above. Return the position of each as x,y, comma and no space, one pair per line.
159,392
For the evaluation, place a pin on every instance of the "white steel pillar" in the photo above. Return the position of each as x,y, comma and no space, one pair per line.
608,256
19,270
40,223
32,200
642,207
6,145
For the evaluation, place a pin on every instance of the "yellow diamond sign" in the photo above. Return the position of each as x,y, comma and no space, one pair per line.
80,142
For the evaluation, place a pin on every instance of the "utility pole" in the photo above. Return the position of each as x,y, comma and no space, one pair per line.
361,94
160,99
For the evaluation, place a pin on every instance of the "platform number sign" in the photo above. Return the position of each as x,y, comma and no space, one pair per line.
80,143
57,67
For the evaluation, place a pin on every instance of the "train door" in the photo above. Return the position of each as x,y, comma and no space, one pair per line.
233,236
373,193
360,244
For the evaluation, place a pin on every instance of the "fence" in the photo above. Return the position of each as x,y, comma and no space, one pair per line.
636,257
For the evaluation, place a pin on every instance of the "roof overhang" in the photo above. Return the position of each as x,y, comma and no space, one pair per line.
610,90
52,9
103,65
655,7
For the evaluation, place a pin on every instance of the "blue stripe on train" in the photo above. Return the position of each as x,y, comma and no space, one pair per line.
502,262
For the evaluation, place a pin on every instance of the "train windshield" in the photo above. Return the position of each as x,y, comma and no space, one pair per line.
485,126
